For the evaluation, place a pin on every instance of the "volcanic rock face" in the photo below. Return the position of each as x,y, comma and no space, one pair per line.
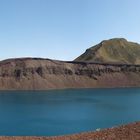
42,74
116,51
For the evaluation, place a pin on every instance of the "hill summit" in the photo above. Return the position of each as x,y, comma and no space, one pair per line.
116,50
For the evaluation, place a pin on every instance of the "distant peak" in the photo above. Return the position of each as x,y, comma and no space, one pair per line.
122,39
115,50
115,39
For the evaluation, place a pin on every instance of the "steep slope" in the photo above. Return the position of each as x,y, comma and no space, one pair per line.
42,74
117,50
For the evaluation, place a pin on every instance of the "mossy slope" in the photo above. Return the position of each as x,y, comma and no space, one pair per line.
117,50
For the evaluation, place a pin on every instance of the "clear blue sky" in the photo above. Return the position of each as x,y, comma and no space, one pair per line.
63,29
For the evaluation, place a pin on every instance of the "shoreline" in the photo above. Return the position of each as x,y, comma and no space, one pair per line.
72,88
124,132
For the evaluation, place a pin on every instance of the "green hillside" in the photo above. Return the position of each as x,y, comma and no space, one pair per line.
117,50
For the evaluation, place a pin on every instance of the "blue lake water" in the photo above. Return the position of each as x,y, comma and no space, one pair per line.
59,112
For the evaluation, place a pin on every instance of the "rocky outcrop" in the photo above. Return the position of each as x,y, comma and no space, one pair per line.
42,74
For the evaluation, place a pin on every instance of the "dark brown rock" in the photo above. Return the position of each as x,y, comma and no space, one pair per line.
37,73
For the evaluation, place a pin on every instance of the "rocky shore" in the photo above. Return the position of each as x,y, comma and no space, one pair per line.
124,132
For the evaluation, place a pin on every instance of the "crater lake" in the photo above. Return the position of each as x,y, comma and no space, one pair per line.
70,111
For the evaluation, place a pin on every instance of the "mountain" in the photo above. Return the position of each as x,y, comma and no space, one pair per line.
116,51
112,63
43,74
